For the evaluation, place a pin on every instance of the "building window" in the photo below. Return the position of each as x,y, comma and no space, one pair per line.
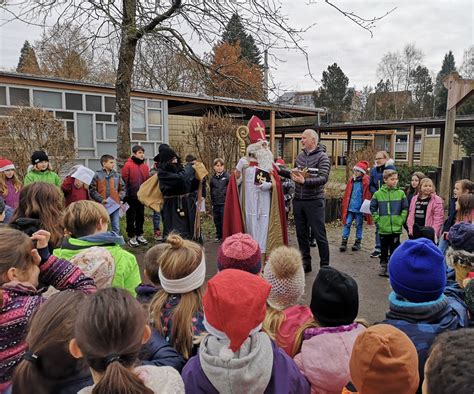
110,104
3,95
19,97
47,99
138,116
85,132
433,132
74,101
111,131
154,133
94,103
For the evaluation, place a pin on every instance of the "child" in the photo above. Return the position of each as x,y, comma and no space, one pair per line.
357,190
49,333
328,339
145,291
383,360
417,304
389,209
465,208
156,215
218,186
449,367
109,332
426,210
463,186
40,207
284,271
41,171
460,254
414,186
22,266
240,251
134,173
177,309
86,222
10,185
76,185
236,356
107,183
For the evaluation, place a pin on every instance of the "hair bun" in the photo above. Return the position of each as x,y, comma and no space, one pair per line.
175,241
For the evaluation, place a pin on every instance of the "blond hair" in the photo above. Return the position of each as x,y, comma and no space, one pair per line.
3,183
384,153
81,218
178,260
426,180
15,251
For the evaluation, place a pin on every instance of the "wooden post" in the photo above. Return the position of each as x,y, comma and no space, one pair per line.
283,146
441,146
447,154
349,151
333,155
392,145
293,151
471,172
272,132
337,150
411,145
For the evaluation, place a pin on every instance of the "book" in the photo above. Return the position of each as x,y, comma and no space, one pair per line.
261,176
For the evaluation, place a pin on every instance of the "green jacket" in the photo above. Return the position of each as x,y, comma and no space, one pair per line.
127,273
45,176
389,209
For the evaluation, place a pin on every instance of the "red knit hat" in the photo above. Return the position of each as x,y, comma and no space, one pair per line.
234,303
6,164
280,161
362,166
240,251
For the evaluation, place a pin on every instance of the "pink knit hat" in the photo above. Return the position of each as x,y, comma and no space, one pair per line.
5,165
240,251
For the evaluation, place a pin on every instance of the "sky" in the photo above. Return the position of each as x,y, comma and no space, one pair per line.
434,26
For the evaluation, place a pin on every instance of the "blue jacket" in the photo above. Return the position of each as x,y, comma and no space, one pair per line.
376,176
356,196
451,215
160,353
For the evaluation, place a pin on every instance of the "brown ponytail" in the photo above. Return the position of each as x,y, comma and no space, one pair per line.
109,332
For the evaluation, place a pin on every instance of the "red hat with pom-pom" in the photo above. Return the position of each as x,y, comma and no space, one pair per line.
362,166
6,164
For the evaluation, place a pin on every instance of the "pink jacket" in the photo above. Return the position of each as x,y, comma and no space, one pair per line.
434,214
324,357
295,317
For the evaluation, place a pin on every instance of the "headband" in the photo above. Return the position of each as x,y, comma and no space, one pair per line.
184,285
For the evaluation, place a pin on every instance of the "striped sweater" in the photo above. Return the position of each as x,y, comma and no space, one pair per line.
19,301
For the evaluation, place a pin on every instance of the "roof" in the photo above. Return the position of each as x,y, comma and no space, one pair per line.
181,103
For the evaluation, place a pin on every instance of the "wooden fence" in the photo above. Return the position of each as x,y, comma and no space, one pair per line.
460,169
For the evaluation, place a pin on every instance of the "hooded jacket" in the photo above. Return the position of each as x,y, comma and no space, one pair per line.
389,209
127,273
42,176
134,173
376,175
434,214
259,366
324,357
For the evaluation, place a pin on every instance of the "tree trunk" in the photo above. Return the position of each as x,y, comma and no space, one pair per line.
123,84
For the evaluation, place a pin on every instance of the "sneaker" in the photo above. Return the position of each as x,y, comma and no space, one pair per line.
142,240
217,239
383,270
158,236
312,243
133,242
375,254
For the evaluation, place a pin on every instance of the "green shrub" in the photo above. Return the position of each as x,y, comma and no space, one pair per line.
405,172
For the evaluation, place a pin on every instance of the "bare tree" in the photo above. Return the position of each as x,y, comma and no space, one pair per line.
178,23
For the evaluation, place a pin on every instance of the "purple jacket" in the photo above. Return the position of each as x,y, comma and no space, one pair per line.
12,198
285,376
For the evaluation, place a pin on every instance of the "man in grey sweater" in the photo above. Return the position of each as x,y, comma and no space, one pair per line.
309,200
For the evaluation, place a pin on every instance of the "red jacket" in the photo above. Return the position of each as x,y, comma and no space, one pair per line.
72,193
134,175
366,195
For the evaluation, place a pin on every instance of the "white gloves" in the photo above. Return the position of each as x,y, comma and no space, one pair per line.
265,186
243,162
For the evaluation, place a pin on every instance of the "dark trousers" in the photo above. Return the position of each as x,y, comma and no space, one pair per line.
218,215
135,217
310,214
388,243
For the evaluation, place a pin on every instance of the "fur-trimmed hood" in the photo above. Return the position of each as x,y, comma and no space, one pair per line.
459,256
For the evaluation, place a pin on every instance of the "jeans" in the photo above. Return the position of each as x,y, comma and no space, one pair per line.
135,217
378,242
310,214
218,215
389,243
115,221
359,219
443,245
156,221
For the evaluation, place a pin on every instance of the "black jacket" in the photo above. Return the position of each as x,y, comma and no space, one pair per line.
218,185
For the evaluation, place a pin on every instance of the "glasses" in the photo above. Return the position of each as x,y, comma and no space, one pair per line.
379,158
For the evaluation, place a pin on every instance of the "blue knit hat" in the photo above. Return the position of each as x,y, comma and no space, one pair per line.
417,271
461,236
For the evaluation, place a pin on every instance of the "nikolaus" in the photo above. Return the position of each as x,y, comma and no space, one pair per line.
254,202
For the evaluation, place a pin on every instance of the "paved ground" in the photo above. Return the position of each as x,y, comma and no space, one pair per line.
373,289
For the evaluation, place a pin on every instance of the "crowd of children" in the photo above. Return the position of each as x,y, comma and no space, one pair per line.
77,316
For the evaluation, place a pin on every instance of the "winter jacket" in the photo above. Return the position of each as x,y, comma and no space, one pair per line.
127,273
422,322
12,197
451,215
160,353
20,300
134,173
348,205
105,185
376,175
42,176
313,187
72,193
295,317
174,180
389,209
288,187
259,366
164,380
325,355
434,214
218,185
146,292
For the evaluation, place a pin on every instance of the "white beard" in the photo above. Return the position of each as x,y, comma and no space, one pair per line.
262,154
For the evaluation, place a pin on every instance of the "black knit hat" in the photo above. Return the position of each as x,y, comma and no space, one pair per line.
166,154
38,156
160,149
334,298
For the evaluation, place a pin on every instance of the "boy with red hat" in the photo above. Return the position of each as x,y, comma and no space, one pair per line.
357,190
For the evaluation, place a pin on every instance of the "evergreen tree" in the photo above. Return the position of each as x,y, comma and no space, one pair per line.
28,62
441,93
333,93
422,89
234,32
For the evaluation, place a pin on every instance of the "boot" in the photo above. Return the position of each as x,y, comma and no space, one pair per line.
383,269
356,245
343,246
